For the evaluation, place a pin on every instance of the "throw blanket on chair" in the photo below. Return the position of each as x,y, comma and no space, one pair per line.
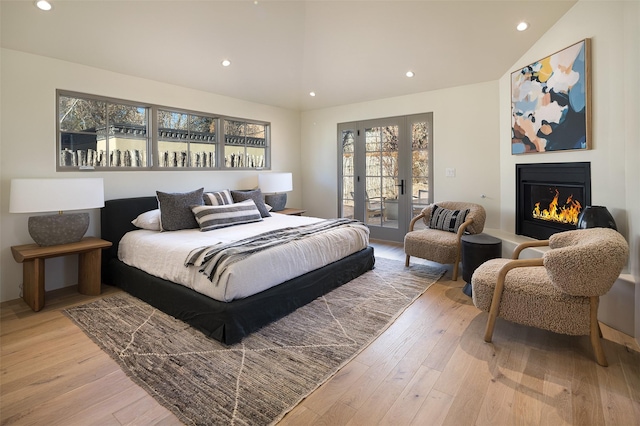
213,260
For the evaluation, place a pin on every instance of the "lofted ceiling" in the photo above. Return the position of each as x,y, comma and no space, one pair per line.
344,51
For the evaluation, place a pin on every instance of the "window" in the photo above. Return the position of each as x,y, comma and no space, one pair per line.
112,134
101,133
186,140
245,144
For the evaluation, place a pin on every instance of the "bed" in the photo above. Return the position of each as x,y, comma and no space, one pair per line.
225,321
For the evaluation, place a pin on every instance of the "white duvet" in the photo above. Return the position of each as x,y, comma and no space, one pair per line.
162,254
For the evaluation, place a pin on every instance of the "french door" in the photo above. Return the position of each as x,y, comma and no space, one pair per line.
385,172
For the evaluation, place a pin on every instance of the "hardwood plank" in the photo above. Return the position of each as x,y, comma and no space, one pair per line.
406,406
498,399
382,397
331,391
529,390
300,415
433,410
143,411
337,414
558,404
105,408
585,392
61,406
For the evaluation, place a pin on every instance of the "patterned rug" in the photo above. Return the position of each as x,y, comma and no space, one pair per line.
257,381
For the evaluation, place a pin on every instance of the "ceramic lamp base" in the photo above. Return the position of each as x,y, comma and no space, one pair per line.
276,201
55,229
596,217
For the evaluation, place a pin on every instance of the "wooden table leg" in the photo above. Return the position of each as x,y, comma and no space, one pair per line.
33,283
89,272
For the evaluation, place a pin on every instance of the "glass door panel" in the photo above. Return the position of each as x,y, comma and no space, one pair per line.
381,144
348,140
421,164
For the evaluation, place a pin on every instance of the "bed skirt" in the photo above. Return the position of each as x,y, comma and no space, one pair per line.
229,322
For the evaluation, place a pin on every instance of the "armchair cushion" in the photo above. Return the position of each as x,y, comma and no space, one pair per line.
530,298
447,220
437,246
575,263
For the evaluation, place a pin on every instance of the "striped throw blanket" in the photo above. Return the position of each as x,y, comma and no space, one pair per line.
213,260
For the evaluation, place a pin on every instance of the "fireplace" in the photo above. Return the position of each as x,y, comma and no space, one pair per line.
550,196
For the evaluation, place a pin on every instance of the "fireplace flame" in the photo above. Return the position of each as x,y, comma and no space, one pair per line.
568,213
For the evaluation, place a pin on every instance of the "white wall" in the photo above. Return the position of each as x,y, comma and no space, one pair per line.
465,137
612,27
28,146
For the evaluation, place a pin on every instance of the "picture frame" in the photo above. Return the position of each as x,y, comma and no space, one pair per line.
551,102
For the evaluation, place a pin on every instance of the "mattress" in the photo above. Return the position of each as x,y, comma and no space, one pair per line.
162,254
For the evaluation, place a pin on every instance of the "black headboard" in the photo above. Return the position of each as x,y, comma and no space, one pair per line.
116,217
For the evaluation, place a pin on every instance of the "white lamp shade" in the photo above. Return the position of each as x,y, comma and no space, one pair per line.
52,195
275,182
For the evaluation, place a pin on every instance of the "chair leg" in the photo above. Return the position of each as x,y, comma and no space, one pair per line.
406,262
495,304
457,263
595,333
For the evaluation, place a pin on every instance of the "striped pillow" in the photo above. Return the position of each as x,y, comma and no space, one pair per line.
447,220
218,198
214,217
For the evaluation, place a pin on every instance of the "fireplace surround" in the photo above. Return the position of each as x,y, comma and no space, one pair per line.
550,197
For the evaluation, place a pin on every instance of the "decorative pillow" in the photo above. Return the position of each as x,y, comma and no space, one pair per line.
214,217
148,220
218,198
256,196
175,209
447,220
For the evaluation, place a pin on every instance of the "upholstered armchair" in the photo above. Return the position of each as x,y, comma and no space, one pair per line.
559,292
447,222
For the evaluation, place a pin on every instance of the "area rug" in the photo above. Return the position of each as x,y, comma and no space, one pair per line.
257,381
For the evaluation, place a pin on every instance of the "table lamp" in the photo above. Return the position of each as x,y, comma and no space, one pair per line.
275,187
48,195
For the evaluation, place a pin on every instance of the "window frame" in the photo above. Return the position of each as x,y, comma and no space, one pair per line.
152,136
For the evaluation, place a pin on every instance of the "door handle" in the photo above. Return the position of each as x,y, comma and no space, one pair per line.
401,186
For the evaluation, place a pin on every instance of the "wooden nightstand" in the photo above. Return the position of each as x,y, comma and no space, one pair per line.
32,257
292,212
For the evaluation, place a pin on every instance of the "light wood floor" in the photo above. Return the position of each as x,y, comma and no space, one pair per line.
430,367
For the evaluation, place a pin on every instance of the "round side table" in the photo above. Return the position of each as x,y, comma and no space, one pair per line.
477,249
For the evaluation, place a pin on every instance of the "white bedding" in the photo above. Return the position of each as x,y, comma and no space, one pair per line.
162,254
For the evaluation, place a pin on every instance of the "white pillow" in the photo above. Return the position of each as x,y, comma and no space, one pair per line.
148,220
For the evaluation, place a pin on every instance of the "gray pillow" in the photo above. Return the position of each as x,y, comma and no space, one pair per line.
175,209
256,196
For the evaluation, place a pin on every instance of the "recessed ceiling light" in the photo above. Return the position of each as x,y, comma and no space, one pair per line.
226,63
43,5
522,26
409,74
312,93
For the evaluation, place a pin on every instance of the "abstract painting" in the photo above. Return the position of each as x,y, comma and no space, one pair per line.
550,102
